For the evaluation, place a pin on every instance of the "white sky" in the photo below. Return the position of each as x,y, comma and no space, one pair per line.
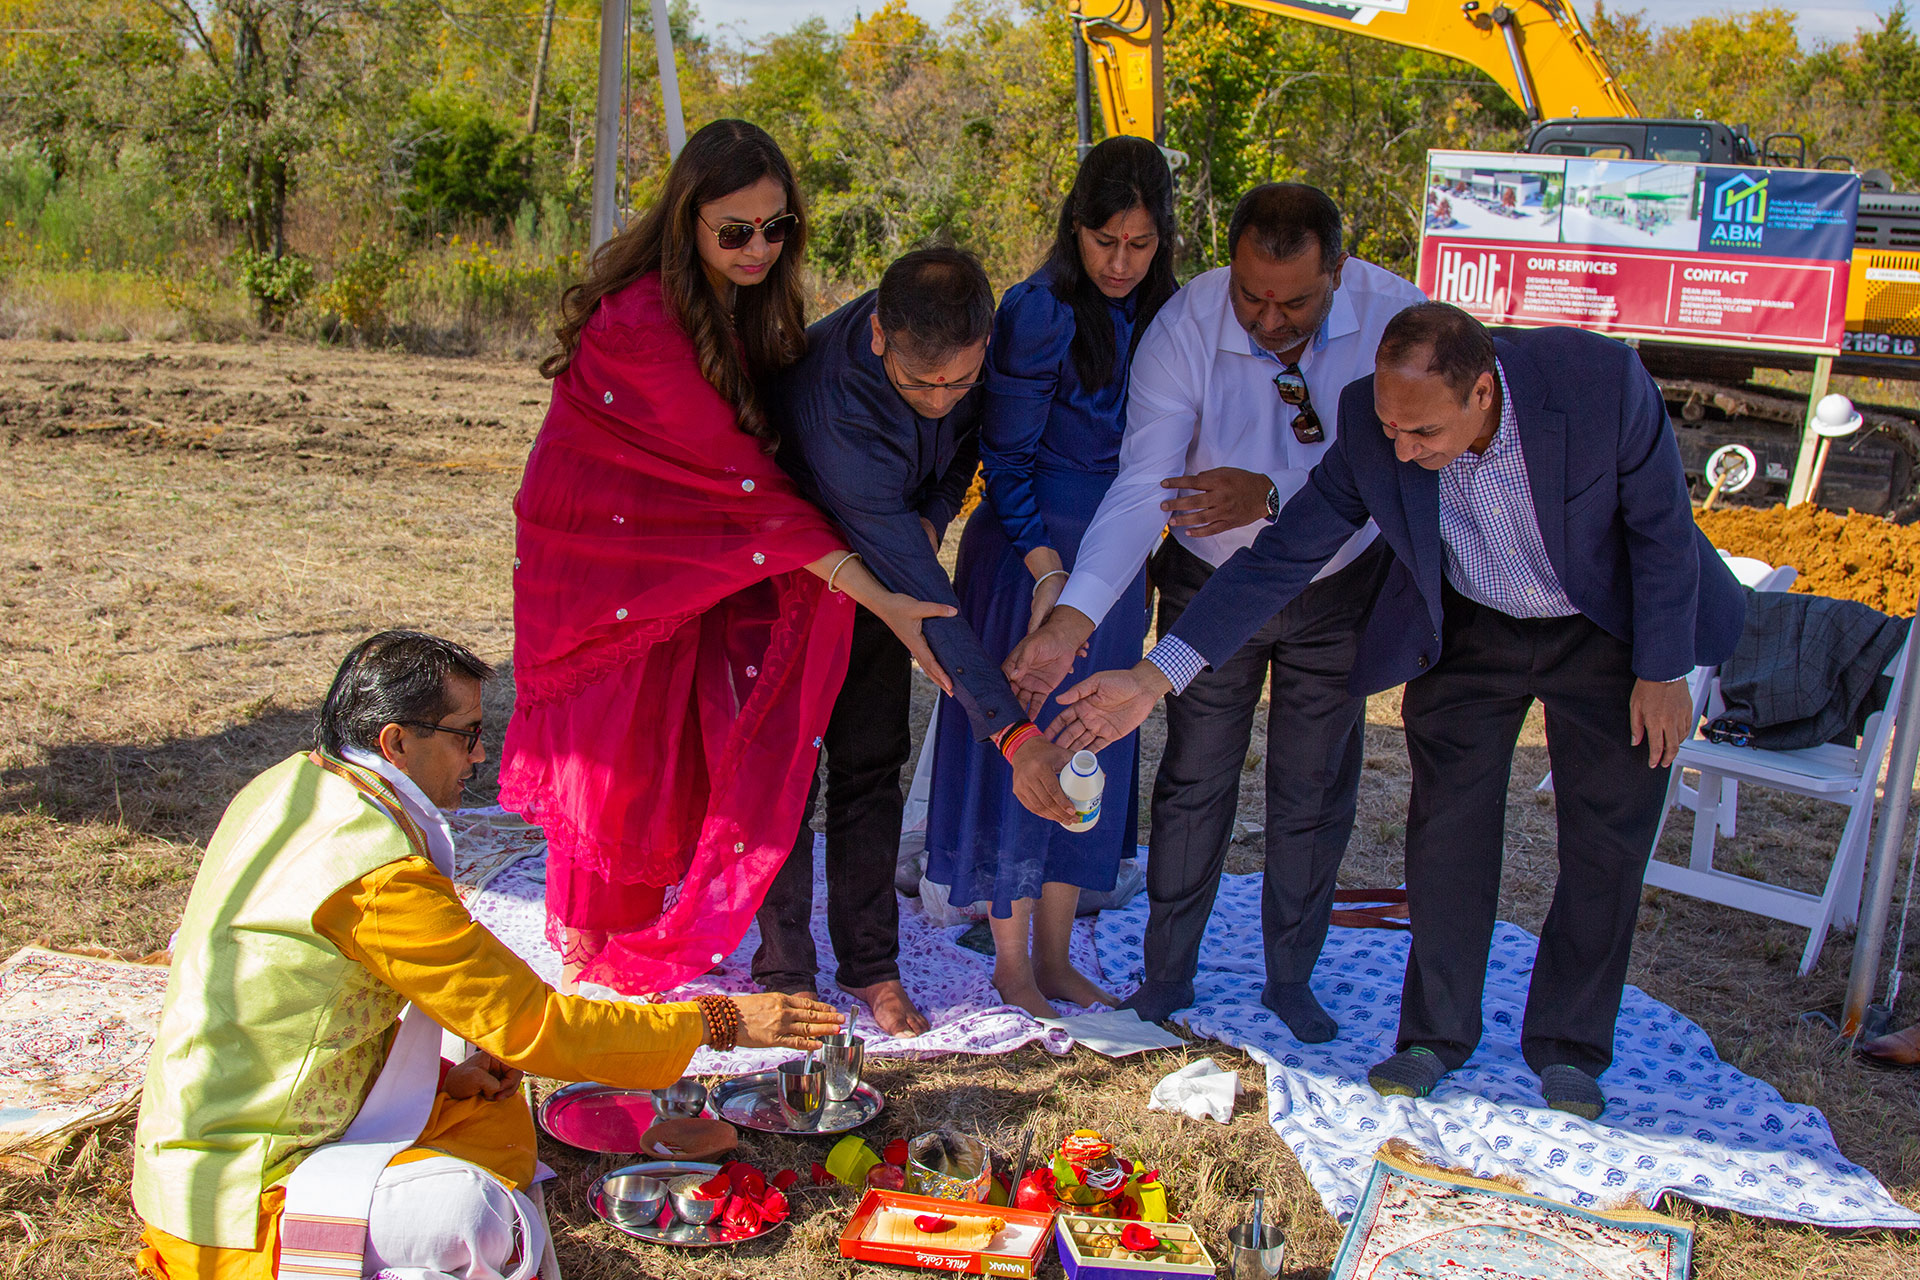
1819,20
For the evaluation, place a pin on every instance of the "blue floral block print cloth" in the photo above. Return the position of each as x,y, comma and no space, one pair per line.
1679,1121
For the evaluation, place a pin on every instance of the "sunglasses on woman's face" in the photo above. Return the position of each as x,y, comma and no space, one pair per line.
1292,386
738,235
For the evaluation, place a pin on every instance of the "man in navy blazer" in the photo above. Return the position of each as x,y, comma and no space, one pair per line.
1531,491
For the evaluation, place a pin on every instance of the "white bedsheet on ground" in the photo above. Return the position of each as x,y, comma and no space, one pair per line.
951,984
1678,1120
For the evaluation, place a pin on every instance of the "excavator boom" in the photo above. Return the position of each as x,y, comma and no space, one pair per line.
1536,50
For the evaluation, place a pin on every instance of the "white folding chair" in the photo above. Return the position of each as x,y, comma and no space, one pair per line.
1838,774
1761,576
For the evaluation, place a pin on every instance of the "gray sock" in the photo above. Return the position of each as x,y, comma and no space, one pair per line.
1411,1073
1569,1089
1158,1001
1295,1004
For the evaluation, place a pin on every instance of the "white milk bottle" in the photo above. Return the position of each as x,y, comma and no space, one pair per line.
1083,782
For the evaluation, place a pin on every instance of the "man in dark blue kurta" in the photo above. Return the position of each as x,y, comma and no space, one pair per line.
1544,548
879,427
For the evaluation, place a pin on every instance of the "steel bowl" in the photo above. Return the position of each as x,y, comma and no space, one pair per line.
687,1206
681,1098
634,1200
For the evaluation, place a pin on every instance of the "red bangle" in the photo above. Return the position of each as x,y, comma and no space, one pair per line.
1016,737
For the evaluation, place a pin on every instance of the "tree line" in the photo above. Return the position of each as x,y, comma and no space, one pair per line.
318,154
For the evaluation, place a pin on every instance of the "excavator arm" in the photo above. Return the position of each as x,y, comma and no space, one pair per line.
1536,50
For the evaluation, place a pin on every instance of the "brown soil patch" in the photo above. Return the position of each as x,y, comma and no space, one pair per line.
192,547
1850,557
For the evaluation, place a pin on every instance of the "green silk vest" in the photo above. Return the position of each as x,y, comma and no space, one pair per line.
270,1038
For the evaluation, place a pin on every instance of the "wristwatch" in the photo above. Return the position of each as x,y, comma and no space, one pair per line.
1273,502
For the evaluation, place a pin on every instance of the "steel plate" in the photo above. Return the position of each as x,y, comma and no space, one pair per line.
753,1102
597,1117
680,1235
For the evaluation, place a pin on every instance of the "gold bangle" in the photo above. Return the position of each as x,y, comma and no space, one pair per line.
851,555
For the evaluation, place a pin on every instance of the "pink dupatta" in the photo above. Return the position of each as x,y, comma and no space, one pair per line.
674,662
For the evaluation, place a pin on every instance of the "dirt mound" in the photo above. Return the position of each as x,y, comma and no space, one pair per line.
1850,557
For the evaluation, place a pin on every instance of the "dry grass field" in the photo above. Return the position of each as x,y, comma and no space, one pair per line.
192,536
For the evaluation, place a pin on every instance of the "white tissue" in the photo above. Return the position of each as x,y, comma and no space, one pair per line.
1200,1089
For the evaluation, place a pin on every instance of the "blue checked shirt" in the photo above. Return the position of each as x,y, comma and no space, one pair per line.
1490,528
1495,554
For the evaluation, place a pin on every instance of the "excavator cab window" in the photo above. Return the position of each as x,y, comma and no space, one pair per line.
1679,144
1596,150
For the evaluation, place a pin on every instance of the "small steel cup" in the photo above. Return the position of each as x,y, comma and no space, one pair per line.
681,1098
1248,1259
634,1200
687,1205
842,1059
803,1093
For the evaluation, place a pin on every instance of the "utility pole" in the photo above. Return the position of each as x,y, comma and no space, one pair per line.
540,68
606,122
669,80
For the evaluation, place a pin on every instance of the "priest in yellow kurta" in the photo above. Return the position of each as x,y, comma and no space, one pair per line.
298,1120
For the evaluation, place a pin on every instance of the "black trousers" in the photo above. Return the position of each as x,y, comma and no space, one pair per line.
1462,720
866,744
1315,731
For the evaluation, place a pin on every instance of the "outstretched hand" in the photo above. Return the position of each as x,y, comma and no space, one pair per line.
903,615
1036,779
1107,706
772,1020
1040,662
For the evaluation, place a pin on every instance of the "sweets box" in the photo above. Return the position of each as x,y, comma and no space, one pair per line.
1023,1241
1082,1263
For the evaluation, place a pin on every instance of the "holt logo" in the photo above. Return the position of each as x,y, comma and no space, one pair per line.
1468,282
1739,215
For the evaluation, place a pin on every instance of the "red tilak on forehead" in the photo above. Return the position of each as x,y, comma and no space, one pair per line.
1269,293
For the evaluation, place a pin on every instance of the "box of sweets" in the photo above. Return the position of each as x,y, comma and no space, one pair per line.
1093,1249
946,1235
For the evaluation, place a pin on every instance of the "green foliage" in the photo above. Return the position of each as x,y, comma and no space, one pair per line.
156,137
357,294
276,283
106,209
463,165
1252,100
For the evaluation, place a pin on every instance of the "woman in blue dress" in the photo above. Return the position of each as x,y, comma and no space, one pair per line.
1052,419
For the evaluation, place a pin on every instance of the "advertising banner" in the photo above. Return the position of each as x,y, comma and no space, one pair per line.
1687,252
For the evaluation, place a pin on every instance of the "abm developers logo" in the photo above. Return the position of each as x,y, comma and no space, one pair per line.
1739,214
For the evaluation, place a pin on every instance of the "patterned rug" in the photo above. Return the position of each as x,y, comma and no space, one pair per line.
952,985
485,843
1679,1121
75,1032
1417,1223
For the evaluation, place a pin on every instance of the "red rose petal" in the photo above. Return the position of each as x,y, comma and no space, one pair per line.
714,1188
820,1176
1136,1237
896,1152
785,1179
933,1223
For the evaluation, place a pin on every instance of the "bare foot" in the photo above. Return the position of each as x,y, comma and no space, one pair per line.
892,1008
1025,995
1071,985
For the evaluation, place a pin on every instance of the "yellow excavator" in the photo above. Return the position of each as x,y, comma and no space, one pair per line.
1538,52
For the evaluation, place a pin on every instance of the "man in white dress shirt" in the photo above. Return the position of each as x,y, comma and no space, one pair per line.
1231,403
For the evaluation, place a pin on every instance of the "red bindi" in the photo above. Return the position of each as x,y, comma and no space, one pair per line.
1269,293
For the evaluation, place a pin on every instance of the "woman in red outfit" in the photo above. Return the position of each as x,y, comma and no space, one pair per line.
681,614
